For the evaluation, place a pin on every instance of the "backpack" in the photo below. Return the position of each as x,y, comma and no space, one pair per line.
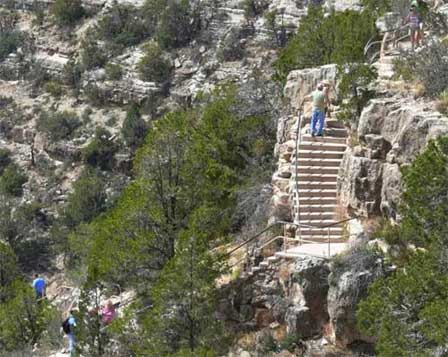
66,326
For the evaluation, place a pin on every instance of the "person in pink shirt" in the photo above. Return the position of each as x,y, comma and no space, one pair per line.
108,313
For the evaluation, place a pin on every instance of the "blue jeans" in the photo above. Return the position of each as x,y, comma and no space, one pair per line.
71,344
318,119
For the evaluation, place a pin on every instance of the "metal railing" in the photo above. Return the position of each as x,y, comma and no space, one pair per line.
298,139
386,39
285,239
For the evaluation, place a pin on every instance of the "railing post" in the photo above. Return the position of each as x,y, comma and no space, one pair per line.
329,243
296,174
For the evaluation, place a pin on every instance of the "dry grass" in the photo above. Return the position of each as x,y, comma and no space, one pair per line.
442,103
418,90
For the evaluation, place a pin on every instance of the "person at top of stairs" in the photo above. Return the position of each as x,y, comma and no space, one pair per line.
321,102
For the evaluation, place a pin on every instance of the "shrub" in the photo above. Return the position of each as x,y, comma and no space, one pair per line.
442,103
178,24
100,151
254,8
114,72
67,12
122,26
9,41
354,89
12,180
5,159
154,66
95,95
23,319
92,56
87,200
54,88
428,67
59,125
338,38
71,74
231,48
134,128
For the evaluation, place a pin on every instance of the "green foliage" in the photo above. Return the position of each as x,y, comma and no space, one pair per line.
230,48
95,95
379,7
9,271
58,125
122,26
134,128
92,337
72,74
159,236
428,67
355,82
12,180
338,38
23,319
101,150
87,200
9,41
404,310
254,8
184,300
114,72
54,88
154,66
67,12
92,56
5,159
178,24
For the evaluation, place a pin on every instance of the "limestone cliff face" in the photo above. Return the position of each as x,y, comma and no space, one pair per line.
391,132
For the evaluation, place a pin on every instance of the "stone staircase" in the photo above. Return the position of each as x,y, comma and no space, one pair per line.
318,161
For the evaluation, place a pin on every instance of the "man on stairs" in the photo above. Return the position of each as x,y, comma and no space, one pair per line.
321,104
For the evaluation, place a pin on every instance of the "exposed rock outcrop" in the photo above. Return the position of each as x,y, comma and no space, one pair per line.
391,132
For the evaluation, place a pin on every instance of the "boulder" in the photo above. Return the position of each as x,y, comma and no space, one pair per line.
360,184
343,298
302,82
391,190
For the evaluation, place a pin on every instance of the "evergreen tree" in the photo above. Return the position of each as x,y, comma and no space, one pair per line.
407,310
338,38
184,301
134,128
23,319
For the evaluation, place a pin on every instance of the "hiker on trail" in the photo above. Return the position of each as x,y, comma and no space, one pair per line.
108,313
68,327
414,24
39,286
422,9
321,103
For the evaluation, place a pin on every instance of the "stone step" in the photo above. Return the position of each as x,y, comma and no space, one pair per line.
329,122
321,154
336,132
316,208
315,170
305,176
336,231
316,215
272,259
310,161
264,264
317,223
310,200
323,139
314,185
336,238
306,193
321,145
